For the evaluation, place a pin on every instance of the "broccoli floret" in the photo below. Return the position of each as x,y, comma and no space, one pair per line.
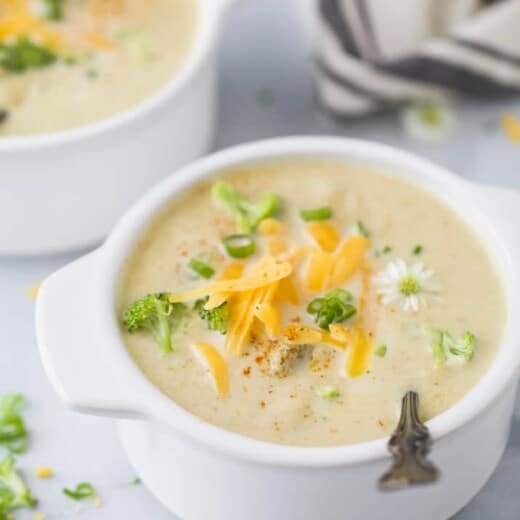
334,307
13,492
217,318
156,314
23,54
445,346
248,214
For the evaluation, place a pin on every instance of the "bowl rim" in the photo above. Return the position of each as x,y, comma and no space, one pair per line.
208,19
152,404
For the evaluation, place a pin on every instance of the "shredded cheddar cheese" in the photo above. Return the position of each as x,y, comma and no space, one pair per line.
339,332
271,226
216,364
348,259
22,22
231,271
287,291
301,335
360,354
268,314
270,272
325,235
318,271
329,339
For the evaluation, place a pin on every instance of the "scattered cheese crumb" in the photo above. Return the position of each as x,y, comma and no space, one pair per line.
39,516
98,503
32,292
43,472
511,127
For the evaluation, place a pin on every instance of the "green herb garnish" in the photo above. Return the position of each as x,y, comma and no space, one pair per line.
333,307
445,346
384,251
82,491
13,434
23,55
217,318
248,214
328,392
156,314
14,493
417,250
135,481
239,246
361,229
54,9
381,351
309,215
201,268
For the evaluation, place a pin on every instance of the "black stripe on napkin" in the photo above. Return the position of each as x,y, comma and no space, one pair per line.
460,79
366,20
331,12
492,52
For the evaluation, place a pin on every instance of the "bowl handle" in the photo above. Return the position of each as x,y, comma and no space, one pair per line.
72,358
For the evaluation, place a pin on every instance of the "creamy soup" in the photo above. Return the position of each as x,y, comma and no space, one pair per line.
344,289
66,63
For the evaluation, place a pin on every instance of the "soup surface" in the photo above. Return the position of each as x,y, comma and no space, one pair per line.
66,63
376,288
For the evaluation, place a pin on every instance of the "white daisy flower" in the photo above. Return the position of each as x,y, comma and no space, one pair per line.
428,122
409,286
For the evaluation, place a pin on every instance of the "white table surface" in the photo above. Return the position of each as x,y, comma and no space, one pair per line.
262,50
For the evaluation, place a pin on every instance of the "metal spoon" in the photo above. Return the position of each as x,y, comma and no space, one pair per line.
409,446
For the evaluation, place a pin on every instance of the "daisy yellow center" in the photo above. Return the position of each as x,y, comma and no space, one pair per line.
408,286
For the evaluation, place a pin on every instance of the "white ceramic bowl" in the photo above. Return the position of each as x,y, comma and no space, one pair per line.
65,190
202,472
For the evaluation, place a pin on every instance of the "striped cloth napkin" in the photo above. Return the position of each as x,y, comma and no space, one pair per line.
380,54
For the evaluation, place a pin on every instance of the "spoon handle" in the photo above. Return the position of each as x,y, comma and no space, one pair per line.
409,445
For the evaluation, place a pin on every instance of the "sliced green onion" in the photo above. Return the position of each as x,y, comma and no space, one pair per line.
82,491
201,268
239,246
417,250
384,251
13,433
308,215
381,351
333,307
361,229
328,392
